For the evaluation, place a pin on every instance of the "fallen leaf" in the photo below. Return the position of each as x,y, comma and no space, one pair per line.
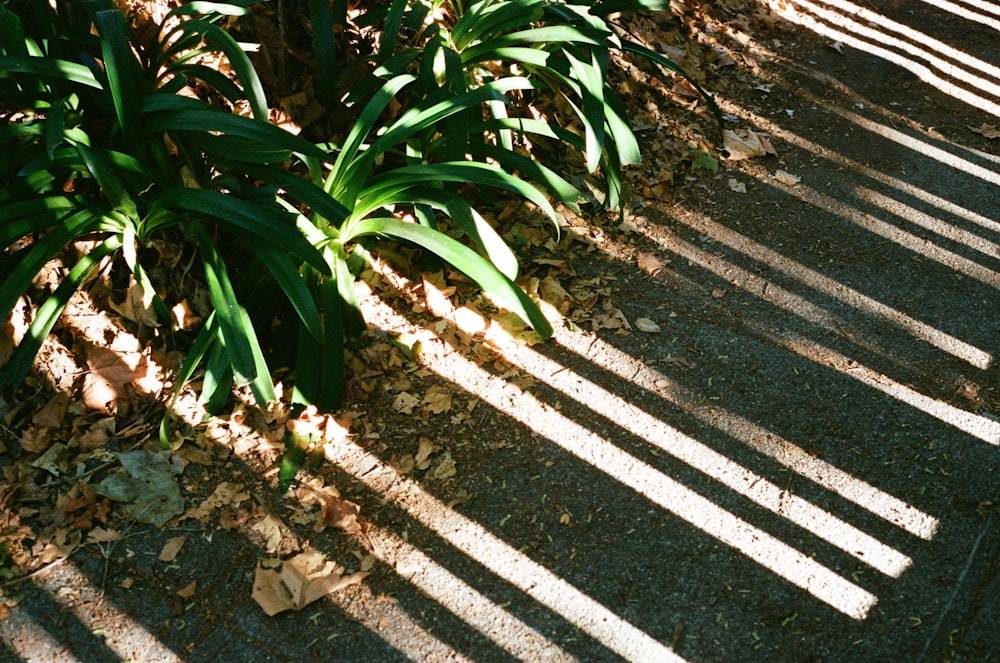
405,402
111,372
987,130
146,484
446,467
737,186
651,263
787,178
224,494
301,580
39,435
188,591
102,535
270,529
340,513
437,400
172,548
138,305
647,325
425,448
742,147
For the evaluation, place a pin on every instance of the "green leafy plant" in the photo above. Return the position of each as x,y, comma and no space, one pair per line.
168,161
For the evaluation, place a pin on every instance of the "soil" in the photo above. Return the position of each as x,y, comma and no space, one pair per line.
768,426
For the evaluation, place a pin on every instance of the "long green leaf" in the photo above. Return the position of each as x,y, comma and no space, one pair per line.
125,80
239,335
291,283
49,68
266,222
23,357
43,250
391,187
244,69
462,258
172,113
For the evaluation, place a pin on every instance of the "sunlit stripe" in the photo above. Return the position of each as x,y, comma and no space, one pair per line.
387,620
770,552
34,642
703,458
982,5
882,37
514,636
919,146
102,619
973,424
515,567
921,71
778,131
861,493
964,12
935,225
799,305
893,233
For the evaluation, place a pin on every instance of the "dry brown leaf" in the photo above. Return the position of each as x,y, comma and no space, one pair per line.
184,317
340,513
742,147
437,400
437,297
787,178
138,305
425,448
647,325
103,535
38,436
553,292
301,580
405,402
225,494
172,548
986,130
446,467
111,372
651,263
270,529
188,590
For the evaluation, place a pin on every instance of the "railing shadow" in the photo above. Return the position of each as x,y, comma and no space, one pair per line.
789,468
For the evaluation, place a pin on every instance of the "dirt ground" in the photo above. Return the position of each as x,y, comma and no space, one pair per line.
767,428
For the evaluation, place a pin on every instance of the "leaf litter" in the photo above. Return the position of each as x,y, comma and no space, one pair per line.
97,444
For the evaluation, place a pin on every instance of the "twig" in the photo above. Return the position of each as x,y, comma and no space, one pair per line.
36,572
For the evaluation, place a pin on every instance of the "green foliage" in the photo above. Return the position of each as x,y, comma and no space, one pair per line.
103,140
